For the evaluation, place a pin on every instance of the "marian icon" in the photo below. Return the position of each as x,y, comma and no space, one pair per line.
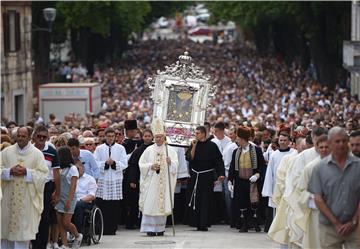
181,96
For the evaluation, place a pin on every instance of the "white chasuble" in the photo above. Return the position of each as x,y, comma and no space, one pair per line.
309,222
278,231
292,195
22,200
155,192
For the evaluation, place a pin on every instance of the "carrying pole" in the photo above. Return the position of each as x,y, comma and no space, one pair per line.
171,200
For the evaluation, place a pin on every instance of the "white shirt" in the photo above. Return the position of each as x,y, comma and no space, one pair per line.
227,156
221,144
70,172
86,185
183,170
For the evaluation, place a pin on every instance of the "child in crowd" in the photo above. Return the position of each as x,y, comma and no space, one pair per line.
66,205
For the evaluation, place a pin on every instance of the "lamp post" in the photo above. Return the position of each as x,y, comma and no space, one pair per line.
49,16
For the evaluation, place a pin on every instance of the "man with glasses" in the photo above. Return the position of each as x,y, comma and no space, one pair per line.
52,185
89,144
119,136
85,156
85,192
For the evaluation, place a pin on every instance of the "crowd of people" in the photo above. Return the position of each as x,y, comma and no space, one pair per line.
258,160
251,88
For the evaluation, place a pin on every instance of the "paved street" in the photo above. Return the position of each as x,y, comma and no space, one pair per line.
219,236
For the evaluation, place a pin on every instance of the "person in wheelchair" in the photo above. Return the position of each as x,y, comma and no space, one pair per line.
85,192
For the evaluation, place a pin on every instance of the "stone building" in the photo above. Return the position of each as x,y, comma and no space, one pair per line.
351,49
16,62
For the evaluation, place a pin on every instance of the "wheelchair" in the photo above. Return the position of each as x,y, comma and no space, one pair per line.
93,226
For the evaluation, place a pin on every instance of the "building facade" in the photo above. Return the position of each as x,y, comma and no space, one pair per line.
351,50
16,62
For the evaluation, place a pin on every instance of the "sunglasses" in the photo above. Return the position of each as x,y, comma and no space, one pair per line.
41,137
89,144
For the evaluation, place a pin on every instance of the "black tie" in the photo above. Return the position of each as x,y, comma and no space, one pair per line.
107,166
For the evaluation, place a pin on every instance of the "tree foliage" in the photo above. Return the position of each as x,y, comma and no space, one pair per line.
99,16
100,30
313,30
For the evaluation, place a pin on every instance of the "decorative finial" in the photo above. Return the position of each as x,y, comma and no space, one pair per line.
185,58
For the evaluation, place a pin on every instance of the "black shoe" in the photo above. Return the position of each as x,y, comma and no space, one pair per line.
203,229
151,234
160,234
257,228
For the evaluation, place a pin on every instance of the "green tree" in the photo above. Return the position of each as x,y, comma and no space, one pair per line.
101,29
308,30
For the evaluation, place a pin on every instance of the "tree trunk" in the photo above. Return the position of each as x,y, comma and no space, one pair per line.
261,37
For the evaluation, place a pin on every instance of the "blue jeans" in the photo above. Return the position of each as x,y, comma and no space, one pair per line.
78,216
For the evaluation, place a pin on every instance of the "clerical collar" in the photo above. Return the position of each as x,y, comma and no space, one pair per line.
23,150
284,150
110,144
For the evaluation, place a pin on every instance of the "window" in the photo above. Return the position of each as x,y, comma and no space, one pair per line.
11,22
19,109
2,107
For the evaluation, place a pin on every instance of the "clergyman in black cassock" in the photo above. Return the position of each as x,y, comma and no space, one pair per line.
130,201
206,166
134,174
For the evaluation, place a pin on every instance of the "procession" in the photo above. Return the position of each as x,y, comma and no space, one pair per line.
179,143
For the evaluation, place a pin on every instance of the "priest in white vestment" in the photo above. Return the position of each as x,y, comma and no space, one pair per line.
279,231
292,195
309,222
157,163
23,176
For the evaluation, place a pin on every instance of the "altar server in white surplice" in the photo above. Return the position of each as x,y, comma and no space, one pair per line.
112,160
157,163
271,170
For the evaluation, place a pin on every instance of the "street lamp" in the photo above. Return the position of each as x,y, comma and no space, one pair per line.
49,16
